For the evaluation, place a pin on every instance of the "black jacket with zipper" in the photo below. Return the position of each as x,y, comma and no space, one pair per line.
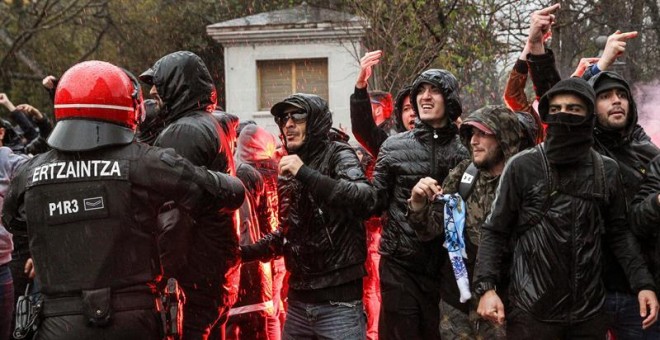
403,160
321,210
556,271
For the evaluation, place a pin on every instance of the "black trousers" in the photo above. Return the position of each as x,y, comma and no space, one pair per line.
409,308
521,325
141,324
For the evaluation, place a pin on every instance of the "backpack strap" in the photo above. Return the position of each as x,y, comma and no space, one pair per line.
468,181
552,177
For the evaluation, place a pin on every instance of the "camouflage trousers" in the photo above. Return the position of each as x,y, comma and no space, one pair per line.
454,324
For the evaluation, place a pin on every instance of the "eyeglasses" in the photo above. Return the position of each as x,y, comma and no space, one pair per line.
298,117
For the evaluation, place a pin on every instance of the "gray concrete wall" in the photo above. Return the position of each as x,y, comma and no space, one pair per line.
242,83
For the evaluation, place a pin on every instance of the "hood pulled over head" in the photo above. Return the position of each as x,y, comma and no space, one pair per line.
499,120
183,83
448,85
319,118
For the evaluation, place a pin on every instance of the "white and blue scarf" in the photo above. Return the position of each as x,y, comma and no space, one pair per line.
455,241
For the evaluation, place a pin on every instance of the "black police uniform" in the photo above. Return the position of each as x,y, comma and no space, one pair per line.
91,218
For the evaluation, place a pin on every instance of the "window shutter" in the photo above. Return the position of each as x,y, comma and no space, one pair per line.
281,78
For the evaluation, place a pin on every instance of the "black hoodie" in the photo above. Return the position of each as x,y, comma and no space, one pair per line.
184,84
633,151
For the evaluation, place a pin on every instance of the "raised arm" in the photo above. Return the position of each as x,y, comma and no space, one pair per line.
363,126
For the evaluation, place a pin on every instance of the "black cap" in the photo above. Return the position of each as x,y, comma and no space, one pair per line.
278,109
608,83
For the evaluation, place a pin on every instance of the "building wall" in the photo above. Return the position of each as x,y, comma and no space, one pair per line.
242,83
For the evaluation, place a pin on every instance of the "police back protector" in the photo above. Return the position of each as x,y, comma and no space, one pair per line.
83,230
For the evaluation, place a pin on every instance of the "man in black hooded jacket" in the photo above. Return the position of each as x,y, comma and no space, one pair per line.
410,269
558,203
324,195
618,136
182,85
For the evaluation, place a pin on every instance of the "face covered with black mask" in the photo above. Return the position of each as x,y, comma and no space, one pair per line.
569,137
568,109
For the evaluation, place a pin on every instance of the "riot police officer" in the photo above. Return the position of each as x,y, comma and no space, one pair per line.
90,207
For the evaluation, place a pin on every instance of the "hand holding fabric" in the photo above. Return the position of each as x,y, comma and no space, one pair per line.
424,191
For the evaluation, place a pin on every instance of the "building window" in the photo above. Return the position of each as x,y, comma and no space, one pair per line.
281,78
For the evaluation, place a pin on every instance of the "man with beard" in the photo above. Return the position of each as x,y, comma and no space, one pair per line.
182,85
557,203
493,135
410,272
616,135
324,196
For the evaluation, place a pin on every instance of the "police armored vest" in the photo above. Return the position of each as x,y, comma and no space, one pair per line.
83,230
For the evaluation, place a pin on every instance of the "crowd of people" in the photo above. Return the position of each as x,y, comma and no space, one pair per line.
133,218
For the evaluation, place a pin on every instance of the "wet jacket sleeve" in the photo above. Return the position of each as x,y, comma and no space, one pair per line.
645,209
29,131
498,228
543,71
362,122
189,142
589,73
266,249
193,188
514,92
428,223
620,239
45,126
13,210
383,179
350,191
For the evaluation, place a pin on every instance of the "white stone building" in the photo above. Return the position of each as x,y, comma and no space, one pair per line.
271,55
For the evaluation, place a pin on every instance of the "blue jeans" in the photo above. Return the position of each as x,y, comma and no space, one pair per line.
6,301
333,320
623,318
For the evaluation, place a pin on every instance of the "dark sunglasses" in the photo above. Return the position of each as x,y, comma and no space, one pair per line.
297,116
